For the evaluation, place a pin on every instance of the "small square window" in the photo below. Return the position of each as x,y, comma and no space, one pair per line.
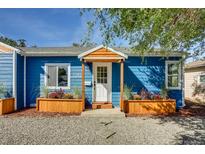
202,78
173,81
173,74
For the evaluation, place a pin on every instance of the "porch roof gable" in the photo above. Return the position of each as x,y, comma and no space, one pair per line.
86,53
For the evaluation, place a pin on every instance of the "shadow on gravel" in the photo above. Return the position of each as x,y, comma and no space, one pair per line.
194,128
192,119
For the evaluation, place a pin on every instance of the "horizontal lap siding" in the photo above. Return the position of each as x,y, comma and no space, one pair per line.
178,95
88,77
116,84
6,71
149,75
20,81
35,76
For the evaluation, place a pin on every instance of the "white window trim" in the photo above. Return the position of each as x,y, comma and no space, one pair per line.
199,78
15,77
57,64
179,75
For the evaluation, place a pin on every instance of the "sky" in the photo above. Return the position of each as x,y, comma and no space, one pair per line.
47,27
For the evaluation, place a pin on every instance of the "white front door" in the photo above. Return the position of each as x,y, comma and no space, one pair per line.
102,82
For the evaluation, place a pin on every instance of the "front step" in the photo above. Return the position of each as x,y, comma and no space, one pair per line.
101,105
115,112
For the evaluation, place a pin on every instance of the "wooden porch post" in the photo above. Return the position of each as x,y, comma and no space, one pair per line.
83,86
121,85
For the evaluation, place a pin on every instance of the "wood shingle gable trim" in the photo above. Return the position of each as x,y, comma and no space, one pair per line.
102,51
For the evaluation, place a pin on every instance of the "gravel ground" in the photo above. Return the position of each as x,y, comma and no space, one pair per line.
84,130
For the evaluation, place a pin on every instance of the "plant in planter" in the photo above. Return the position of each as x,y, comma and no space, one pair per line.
58,94
59,101
7,103
45,92
2,91
53,94
164,92
77,93
156,97
127,93
144,94
137,97
67,96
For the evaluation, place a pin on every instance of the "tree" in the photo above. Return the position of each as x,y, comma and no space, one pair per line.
13,43
76,45
8,41
21,43
84,44
146,29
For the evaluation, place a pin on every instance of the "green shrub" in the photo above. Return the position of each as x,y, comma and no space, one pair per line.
67,96
77,93
164,92
45,91
137,97
127,93
2,91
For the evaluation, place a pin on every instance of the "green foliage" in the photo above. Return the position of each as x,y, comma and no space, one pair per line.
45,91
21,43
67,96
84,43
2,90
199,89
127,92
76,45
146,29
77,93
137,97
13,43
164,92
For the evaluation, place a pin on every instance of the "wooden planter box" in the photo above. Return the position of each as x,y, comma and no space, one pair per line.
7,105
153,107
72,106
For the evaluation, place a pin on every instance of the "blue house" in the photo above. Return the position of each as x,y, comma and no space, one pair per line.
103,71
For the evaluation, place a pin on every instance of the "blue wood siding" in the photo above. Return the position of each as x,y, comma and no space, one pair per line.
149,75
20,81
115,84
6,71
35,76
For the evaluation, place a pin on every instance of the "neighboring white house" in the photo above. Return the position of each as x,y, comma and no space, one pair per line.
194,76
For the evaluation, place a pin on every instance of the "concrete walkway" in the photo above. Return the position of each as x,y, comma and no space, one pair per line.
115,112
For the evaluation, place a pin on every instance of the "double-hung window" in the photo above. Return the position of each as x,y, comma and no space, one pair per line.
202,79
173,75
57,75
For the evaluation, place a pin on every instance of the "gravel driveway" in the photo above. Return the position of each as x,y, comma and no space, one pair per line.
87,130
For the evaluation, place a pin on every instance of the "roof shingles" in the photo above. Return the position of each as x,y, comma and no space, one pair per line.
75,51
